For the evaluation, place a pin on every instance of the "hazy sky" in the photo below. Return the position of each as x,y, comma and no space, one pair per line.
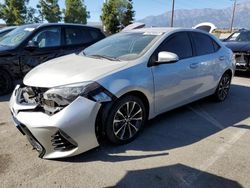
145,8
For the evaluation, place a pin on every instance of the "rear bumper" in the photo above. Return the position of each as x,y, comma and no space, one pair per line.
76,121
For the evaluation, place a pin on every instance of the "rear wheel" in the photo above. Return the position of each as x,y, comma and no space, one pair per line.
223,88
6,83
125,120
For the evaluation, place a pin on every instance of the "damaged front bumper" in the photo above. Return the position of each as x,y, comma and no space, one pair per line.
242,61
66,133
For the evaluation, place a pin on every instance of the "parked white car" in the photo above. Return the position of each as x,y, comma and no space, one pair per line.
115,85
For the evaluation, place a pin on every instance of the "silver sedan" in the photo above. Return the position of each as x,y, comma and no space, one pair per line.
114,86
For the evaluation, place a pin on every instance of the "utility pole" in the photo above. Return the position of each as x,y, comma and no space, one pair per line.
172,17
232,22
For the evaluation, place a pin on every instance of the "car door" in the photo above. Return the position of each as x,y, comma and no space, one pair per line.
176,83
208,61
47,45
76,39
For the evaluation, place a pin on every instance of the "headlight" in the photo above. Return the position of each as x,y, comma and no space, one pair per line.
64,95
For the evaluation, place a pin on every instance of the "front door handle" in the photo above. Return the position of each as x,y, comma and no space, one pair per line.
194,65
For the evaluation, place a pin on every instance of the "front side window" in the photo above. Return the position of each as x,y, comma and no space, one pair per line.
49,37
77,35
203,44
123,46
179,44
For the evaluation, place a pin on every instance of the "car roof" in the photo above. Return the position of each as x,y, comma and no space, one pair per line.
38,25
163,30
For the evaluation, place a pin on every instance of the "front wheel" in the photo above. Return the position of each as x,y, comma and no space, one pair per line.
125,120
223,88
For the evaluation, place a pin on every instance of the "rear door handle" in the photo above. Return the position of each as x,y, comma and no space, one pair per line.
194,65
222,58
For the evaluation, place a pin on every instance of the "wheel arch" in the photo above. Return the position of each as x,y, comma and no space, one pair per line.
229,71
106,107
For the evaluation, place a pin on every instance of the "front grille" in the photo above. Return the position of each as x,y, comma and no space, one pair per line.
62,142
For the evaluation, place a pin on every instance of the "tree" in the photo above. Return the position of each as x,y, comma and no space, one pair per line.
13,12
75,12
50,10
117,14
30,16
109,17
128,16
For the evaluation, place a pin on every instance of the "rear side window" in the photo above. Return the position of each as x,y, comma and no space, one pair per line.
77,35
203,44
179,44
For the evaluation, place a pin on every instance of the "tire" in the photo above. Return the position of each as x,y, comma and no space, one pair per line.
223,88
6,83
123,126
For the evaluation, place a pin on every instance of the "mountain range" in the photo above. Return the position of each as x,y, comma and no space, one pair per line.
189,18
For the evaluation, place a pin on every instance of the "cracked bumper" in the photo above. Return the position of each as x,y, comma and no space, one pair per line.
77,120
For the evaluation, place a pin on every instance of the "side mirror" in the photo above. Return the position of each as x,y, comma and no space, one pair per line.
167,57
32,45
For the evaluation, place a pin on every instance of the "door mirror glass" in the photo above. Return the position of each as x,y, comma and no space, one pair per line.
167,57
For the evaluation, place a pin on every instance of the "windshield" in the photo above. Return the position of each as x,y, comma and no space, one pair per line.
16,36
240,36
122,46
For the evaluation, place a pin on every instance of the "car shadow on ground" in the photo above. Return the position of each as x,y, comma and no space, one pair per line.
4,98
177,128
242,74
177,175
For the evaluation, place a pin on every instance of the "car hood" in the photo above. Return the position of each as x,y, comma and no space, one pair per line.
5,50
238,46
70,69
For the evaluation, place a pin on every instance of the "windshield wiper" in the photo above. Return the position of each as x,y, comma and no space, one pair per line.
105,57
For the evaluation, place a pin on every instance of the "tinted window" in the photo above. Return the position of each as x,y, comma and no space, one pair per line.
203,44
77,35
179,44
49,37
96,34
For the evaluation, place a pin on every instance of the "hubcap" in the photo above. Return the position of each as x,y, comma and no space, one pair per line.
224,87
127,120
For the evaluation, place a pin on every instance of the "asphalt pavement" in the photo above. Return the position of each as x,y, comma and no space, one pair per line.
203,144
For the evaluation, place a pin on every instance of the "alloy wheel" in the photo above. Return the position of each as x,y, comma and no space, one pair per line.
224,87
127,120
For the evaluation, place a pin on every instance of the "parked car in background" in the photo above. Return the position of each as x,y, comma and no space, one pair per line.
239,43
30,45
115,85
5,30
